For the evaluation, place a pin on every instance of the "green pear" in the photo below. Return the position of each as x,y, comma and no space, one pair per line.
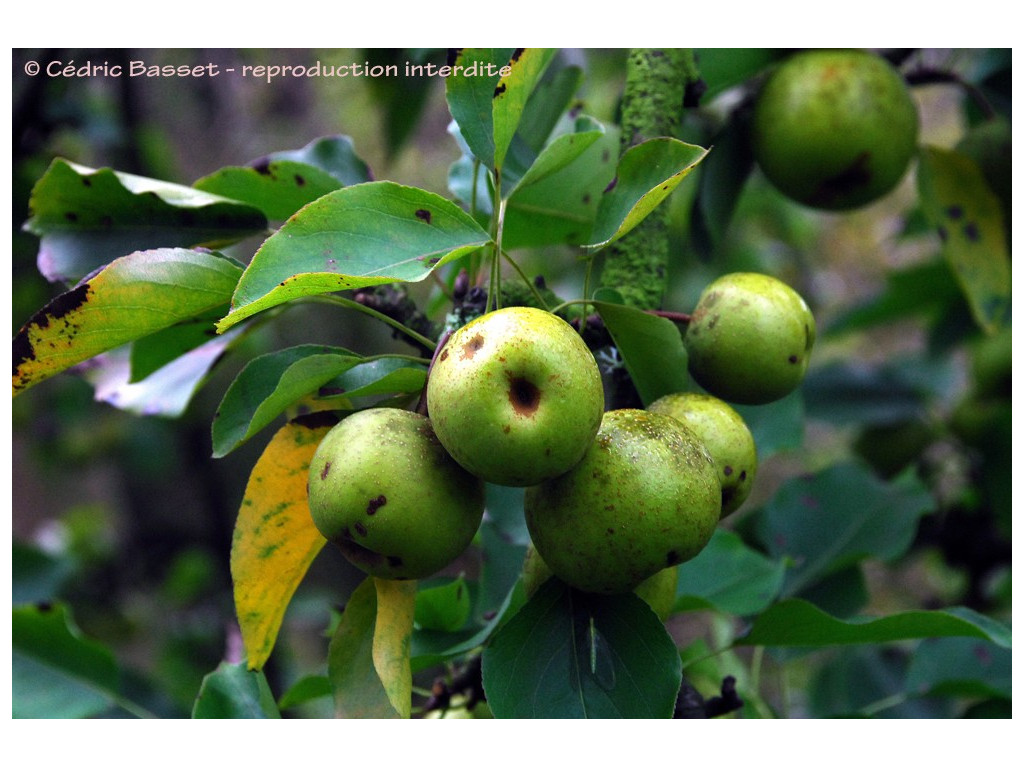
834,129
384,490
749,338
644,497
515,396
724,434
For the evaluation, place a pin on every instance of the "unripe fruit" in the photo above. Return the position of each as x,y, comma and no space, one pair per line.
515,396
749,338
834,129
724,434
384,490
644,497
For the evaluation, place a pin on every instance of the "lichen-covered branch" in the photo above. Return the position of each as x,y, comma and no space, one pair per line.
652,103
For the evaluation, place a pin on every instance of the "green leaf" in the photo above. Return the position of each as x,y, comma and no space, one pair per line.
777,426
857,678
729,576
470,97
651,348
37,576
723,178
306,689
723,68
388,375
428,649
335,155
968,216
560,208
445,607
268,385
796,622
838,517
274,539
955,666
366,234
132,297
561,152
543,117
281,183
55,672
646,174
926,290
86,218
567,654
526,66
234,692
854,393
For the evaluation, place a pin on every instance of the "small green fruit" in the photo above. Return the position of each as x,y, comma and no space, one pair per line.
749,338
515,396
644,497
834,129
659,591
724,434
384,490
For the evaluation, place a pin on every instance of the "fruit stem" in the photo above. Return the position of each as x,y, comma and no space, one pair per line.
533,288
342,301
676,317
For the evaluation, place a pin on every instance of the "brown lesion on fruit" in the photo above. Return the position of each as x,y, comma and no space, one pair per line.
524,396
856,175
361,556
472,346
375,504
360,529
794,359
325,470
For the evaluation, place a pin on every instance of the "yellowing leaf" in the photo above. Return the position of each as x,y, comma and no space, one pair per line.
132,297
396,604
275,539
968,216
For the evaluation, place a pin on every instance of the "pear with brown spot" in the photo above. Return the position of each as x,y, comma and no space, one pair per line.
749,338
384,490
515,396
645,497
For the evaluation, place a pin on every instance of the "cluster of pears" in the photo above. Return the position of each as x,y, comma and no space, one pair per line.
515,398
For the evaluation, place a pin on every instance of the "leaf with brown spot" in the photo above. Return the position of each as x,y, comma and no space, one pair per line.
363,235
512,93
470,99
114,213
958,201
274,540
132,297
281,183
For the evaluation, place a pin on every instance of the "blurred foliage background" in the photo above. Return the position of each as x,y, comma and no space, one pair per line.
129,520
